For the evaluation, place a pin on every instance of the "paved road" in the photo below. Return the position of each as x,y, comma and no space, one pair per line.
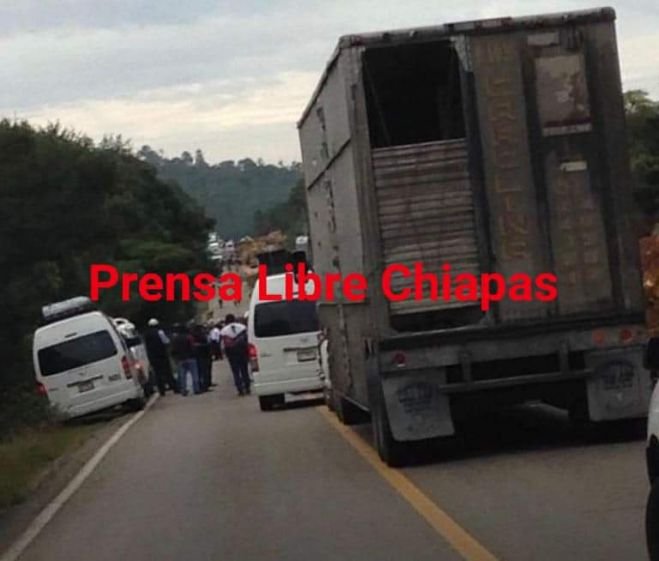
211,477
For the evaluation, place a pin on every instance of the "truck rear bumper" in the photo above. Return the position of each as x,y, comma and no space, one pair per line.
612,382
515,381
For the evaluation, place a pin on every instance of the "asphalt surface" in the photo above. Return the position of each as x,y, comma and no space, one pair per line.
211,477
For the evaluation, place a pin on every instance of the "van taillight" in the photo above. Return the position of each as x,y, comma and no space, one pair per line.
253,357
125,364
41,390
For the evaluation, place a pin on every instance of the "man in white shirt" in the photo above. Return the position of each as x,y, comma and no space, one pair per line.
215,339
233,338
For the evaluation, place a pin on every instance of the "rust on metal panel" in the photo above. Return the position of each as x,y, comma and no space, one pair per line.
562,93
508,176
578,237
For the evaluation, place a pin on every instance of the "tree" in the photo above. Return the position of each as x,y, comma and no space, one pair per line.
199,159
68,204
231,192
643,138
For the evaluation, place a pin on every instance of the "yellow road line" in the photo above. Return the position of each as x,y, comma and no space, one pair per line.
465,544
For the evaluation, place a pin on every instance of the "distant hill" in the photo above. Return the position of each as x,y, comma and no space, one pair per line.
230,192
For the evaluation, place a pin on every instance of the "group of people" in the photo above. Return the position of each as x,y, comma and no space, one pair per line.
193,348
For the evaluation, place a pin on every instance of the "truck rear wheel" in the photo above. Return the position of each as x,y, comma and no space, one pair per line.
391,451
347,412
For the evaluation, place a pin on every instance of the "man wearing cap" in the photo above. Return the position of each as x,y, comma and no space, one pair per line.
157,343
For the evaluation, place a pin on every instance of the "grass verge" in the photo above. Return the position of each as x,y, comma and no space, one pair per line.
25,456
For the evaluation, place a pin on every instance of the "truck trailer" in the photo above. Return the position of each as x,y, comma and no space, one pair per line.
490,146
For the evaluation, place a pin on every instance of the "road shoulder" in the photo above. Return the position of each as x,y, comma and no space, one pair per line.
51,481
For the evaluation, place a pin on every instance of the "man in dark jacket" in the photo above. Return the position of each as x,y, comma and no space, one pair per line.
204,356
183,353
156,343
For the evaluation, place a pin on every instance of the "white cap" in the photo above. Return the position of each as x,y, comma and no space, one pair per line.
153,322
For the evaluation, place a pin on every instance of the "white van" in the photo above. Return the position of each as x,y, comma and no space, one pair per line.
283,337
81,362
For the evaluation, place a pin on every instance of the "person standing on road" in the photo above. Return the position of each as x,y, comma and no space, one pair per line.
204,358
156,343
183,353
235,346
215,337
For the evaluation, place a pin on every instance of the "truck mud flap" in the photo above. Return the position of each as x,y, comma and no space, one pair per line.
417,409
620,386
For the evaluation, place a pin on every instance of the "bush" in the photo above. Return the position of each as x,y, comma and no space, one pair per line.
21,408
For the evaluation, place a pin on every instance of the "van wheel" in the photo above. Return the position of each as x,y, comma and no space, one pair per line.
136,404
269,402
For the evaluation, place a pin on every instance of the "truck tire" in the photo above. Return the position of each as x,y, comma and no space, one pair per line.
269,402
347,412
391,451
652,522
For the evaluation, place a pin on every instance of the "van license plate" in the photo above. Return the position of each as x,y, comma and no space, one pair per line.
85,387
305,355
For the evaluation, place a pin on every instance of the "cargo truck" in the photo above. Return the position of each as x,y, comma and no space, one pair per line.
491,146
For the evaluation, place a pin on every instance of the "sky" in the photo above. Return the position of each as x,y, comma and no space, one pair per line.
230,78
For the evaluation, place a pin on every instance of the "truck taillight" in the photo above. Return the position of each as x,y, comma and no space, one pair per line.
253,357
41,390
626,335
400,359
125,364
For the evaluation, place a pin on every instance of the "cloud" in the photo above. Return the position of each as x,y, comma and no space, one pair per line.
213,74
209,116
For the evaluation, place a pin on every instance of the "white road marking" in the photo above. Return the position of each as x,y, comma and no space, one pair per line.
51,509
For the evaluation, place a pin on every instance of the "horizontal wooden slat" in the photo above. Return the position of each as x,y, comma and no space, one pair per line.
426,213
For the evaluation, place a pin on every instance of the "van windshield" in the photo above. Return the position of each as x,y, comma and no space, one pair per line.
287,317
76,353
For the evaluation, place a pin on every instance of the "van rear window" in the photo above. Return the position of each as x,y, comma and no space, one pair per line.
287,317
76,353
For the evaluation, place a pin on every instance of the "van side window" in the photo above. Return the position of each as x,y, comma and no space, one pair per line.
76,353
286,317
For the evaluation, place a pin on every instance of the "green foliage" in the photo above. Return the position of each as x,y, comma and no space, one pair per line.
290,216
68,204
643,137
21,409
230,192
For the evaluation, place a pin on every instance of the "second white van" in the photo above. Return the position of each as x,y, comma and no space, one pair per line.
82,363
284,345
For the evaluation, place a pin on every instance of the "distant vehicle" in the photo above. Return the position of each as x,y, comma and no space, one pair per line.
494,148
135,343
81,362
284,346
